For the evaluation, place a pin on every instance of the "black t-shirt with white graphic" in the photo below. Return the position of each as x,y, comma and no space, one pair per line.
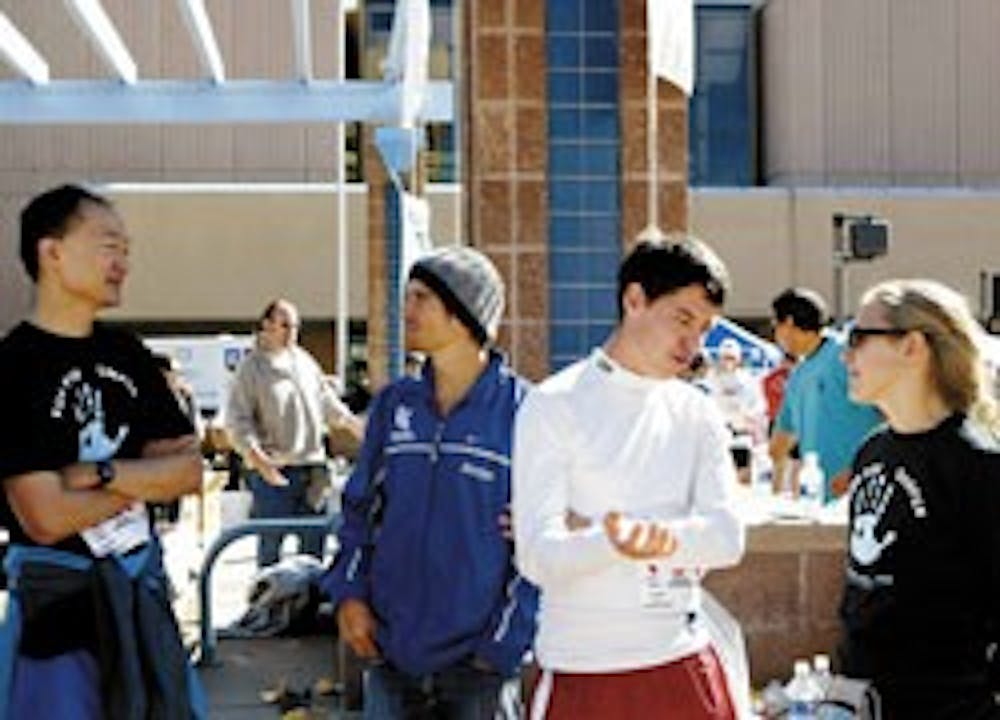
72,399
923,567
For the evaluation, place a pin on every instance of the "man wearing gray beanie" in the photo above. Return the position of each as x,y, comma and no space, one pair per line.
424,582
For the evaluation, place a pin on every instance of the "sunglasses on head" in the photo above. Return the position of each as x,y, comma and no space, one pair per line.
857,335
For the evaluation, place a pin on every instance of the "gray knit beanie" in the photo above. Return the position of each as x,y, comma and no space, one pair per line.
468,284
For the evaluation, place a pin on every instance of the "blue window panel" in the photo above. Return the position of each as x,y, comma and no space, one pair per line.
600,87
563,51
568,303
601,231
602,267
600,15
567,267
600,159
598,196
607,260
564,123
565,87
566,160
564,232
568,338
601,302
722,111
380,22
562,15
565,196
600,52
598,331
600,124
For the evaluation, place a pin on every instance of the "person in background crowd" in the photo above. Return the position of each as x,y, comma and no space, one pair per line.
773,384
89,435
184,395
816,414
739,396
922,594
623,497
424,582
277,413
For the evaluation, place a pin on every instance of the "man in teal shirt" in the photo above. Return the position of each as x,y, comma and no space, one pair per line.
816,412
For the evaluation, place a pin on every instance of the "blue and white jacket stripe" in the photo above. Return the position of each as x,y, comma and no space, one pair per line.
421,542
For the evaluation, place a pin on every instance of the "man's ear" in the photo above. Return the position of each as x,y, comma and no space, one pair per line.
48,251
633,299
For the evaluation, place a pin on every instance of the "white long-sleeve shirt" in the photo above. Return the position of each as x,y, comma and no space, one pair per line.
597,438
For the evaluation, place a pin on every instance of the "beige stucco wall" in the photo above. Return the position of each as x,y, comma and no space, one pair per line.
772,238
228,253
881,92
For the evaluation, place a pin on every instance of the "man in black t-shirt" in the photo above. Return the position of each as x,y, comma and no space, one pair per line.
89,435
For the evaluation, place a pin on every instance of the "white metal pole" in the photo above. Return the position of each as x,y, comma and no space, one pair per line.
343,311
652,230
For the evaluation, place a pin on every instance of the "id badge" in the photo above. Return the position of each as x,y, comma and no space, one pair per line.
117,535
655,586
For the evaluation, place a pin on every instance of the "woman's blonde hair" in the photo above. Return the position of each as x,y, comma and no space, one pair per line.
958,368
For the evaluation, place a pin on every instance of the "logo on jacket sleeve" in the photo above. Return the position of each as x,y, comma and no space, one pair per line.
402,420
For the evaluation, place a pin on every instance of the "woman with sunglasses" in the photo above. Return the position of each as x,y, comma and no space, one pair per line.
922,590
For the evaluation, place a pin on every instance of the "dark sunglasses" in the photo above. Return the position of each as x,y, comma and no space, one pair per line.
857,335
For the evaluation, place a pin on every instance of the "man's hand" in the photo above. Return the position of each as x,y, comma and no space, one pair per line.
357,628
575,521
641,539
840,483
263,464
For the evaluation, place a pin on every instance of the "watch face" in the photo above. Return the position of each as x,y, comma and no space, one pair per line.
105,471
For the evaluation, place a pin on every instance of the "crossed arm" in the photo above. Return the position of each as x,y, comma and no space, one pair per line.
52,505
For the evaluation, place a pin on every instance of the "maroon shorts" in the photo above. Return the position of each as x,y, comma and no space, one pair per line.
692,688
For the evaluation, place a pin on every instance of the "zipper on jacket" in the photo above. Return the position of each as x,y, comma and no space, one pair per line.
435,448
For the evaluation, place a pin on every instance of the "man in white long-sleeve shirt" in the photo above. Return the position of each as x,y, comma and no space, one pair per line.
623,498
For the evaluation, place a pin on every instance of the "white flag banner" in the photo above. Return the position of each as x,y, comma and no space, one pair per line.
415,222
670,41
408,55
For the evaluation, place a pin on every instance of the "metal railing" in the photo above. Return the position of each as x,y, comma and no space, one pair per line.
282,526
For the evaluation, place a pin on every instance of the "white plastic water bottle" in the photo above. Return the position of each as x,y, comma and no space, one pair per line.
812,483
804,694
821,672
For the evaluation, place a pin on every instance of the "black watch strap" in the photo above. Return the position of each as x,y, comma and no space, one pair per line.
105,472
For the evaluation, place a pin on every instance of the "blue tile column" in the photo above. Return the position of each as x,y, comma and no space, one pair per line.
584,140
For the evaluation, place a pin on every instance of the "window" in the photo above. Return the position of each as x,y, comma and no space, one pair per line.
723,110
583,147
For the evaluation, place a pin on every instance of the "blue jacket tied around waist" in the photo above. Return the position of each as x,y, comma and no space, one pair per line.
421,543
144,669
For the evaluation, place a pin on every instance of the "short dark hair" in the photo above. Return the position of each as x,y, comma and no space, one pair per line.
272,306
805,307
52,214
163,362
661,267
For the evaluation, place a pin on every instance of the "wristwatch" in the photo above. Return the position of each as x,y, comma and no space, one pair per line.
105,472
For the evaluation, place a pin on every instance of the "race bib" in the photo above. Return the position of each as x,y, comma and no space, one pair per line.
117,535
655,589
665,588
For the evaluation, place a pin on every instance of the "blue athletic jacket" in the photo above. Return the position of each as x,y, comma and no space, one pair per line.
420,543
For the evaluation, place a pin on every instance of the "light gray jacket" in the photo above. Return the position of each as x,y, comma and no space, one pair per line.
280,403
